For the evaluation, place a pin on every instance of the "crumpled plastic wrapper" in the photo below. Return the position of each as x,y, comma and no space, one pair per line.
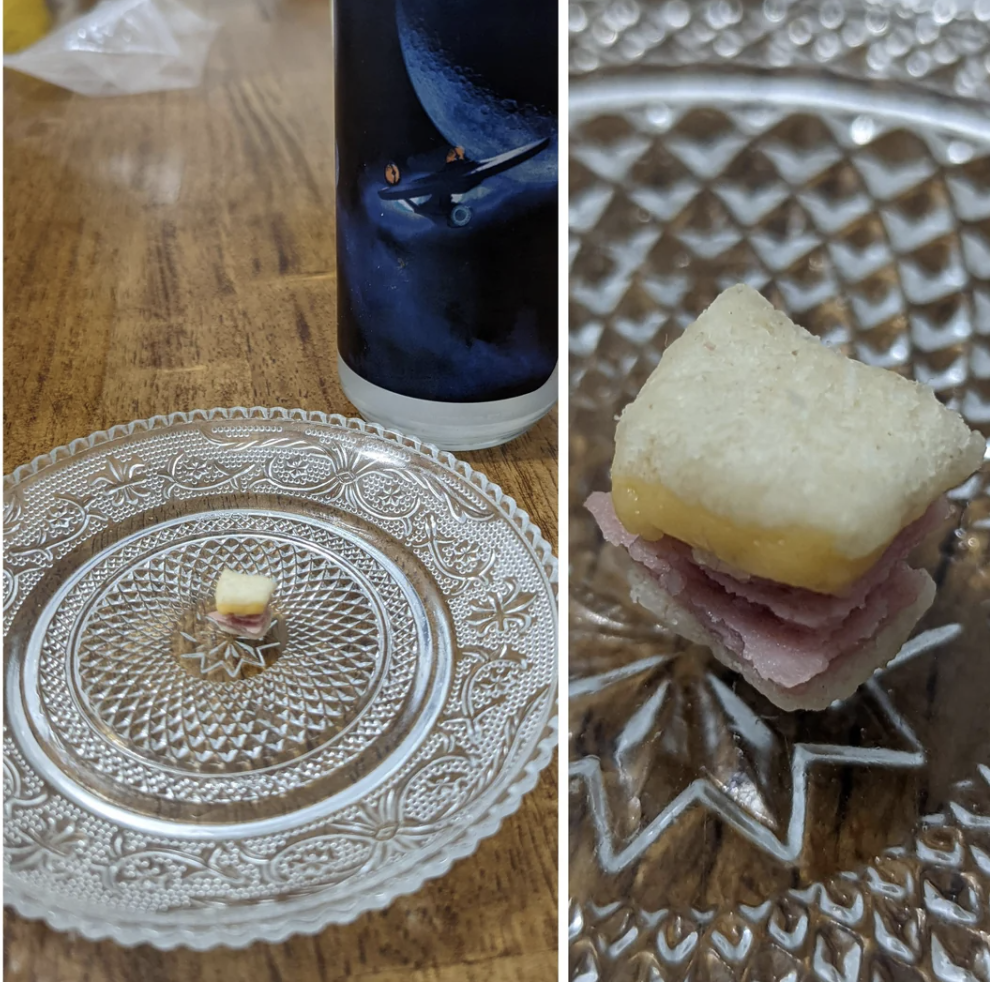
122,47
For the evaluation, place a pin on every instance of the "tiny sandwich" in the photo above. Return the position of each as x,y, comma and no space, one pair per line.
243,604
770,490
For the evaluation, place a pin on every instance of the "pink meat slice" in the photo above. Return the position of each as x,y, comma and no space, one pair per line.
789,635
822,610
253,627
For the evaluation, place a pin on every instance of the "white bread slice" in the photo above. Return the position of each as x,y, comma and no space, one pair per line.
243,594
839,681
754,419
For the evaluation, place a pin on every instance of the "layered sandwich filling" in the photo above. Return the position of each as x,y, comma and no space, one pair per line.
252,626
242,604
788,632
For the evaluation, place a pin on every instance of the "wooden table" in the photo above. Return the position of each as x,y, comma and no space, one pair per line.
173,251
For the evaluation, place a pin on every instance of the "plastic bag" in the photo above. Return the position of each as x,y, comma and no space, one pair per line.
121,47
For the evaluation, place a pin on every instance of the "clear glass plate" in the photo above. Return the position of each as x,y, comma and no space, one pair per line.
170,784
713,836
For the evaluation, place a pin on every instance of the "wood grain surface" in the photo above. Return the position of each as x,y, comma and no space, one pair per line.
172,251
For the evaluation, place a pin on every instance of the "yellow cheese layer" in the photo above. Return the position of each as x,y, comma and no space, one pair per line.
241,610
793,555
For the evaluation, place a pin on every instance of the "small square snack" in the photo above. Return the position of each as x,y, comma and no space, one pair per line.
770,490
242,603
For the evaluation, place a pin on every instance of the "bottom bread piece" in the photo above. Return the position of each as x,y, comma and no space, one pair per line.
840,680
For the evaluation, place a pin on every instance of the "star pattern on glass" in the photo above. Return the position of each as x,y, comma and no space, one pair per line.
220,651
665,734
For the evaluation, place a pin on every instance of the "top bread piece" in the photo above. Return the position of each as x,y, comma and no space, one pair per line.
754,419
242,594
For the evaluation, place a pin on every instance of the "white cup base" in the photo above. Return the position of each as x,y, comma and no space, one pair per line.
449,425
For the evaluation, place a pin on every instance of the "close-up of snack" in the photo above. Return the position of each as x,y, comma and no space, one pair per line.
769,491
779,491
243,604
